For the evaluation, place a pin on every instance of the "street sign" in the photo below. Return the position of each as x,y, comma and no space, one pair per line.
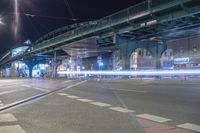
99,59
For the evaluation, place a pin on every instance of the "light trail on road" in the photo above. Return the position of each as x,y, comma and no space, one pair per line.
136,73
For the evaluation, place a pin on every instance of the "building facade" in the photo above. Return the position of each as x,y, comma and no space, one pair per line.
183,53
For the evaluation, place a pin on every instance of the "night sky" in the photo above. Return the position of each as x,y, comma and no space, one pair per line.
49,15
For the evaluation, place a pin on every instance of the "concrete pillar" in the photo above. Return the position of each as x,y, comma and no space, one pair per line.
157,51
30,64
158,58
13,70
125,48
30,67
54,74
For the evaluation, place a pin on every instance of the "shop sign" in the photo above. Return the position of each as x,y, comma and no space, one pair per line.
181,60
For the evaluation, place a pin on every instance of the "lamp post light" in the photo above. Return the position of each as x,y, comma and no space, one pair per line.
1,22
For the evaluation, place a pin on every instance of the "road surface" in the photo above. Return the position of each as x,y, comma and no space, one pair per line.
99,106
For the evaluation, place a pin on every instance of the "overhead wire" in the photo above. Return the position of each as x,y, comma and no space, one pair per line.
41,25
50,17
31,23
67,4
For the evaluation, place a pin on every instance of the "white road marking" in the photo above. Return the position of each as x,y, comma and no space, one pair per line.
63,94
101,104
71,86
11,91
40,89
27,86
153,118
138,91
11,129
7,118
8,84
190,126
85,100
1,103
67,81
120,109
74,97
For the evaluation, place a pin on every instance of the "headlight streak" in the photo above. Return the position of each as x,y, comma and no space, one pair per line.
136,73
16,22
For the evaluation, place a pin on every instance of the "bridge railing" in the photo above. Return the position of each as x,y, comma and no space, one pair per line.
140,8
155,3
61,31
103,23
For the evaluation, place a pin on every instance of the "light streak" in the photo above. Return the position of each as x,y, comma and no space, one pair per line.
1,22
16,18
136,73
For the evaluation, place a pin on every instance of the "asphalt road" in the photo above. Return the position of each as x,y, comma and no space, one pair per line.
99,106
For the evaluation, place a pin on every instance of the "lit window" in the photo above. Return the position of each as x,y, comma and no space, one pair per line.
194,48
182,50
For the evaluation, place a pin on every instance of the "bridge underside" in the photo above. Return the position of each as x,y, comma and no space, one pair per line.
174,29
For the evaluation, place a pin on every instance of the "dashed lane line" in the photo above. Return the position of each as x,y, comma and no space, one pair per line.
63,94
77,84
137,91
12,129
85,100
123,110
27,86
43,90
6,85
1,103
67,81
190,126
153,118
11,91
7,118
73,97
101,104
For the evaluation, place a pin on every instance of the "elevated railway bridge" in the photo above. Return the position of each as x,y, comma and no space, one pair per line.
146,25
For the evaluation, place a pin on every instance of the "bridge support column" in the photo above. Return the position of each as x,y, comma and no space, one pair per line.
30,67
157,51
31,63
128,46
55,64
125,47
54,74
13,71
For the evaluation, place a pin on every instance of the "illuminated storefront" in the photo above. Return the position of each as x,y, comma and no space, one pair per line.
40,70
